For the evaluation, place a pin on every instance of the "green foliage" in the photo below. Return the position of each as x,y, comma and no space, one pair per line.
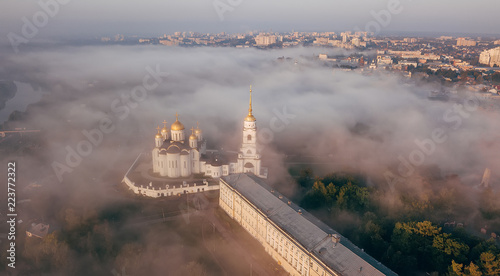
490,263
408,240
457,269
342,192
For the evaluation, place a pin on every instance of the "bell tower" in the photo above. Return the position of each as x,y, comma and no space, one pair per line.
249,157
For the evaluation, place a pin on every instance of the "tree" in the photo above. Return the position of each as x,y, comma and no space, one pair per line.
490,263
316,197
450,246
457,269
48,254
352,197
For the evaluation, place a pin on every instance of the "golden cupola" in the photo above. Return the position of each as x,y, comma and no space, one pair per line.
250,117
177,125
158,135
192,136
164,130
197,130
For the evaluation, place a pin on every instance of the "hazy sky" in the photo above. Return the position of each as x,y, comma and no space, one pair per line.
152,17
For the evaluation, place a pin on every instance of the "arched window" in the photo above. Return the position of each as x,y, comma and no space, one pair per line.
249,137
249,152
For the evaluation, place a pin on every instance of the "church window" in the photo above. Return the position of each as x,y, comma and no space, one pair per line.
185,165
249,138
249,152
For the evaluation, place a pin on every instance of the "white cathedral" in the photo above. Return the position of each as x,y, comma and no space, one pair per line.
175,156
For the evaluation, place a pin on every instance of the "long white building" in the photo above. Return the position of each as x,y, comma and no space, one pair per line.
298,241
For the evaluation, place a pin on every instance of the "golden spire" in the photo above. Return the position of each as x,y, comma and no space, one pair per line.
250,117
176,116
250,105
164,123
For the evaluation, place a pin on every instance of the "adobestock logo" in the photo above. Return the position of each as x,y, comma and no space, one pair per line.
424,148
382,18
121,108
40,19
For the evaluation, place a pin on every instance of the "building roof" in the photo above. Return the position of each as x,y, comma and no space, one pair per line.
173,147
316,237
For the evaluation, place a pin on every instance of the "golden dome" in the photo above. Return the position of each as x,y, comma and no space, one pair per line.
197,130
192,136
250,118
164,129
158,135
177,125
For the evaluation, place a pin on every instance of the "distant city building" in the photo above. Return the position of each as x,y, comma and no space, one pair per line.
321,41
356,42
384,60
344,37
465,42
445,37
167,42
497,42
490,57
265,39
298,241
410,40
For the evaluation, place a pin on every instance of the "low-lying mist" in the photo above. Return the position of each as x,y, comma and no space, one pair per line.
373,123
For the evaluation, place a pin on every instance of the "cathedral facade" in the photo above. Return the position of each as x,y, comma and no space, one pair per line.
177,156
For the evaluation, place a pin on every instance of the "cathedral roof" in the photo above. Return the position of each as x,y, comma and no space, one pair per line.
174,147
